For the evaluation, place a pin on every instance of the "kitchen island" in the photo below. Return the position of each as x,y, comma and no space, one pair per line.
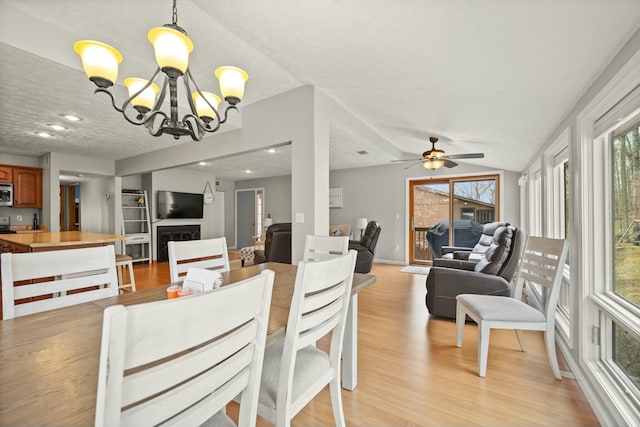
52,241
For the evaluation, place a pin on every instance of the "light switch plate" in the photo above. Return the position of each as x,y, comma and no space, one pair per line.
299,218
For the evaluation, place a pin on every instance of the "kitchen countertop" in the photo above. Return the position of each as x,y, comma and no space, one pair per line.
59,239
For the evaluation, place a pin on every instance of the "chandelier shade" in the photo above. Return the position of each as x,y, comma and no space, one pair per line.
172,49
206,103
147,93
232,82
99,61
146,99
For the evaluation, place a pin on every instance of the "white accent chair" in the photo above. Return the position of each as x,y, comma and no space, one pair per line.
180,361
320,248
294,370
542,263
55,277
208,253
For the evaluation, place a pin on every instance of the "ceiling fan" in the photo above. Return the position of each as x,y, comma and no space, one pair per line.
435,158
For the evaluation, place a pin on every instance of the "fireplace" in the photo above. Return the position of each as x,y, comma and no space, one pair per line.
169,233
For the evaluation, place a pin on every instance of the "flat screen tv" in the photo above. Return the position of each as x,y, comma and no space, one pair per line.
172,204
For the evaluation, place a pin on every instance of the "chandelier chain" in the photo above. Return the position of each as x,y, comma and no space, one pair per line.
175,13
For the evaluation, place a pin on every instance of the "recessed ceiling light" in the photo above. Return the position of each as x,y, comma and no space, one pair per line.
362,152
247,171
71,117
203,163
56,127
44,134
271,150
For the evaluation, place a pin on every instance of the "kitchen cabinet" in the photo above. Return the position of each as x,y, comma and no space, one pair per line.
27,187
6,173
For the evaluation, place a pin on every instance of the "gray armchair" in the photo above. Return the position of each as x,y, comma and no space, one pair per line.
490,275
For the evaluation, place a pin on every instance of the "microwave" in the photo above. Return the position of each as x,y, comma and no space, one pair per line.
6,194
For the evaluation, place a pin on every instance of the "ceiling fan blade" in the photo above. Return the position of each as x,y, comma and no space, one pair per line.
448,163
466,156
416,163
405,160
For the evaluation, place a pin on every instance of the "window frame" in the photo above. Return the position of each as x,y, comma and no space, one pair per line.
593,240
555,159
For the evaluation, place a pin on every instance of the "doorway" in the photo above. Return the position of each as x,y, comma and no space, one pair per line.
249,216
70,207
467,202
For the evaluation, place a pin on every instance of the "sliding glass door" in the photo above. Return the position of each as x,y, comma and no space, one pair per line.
436,204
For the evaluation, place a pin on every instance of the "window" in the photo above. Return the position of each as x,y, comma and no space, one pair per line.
623,345
626,214
535,202
557,221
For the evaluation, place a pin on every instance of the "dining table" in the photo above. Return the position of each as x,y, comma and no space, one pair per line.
49,360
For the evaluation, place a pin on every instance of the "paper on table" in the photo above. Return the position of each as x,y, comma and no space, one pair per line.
202,280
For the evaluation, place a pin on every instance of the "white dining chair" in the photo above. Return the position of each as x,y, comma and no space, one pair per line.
207,253
180,361
56,279
320,248
542,264
294,370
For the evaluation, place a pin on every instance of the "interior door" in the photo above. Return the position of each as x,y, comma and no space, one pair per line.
249,216
245,217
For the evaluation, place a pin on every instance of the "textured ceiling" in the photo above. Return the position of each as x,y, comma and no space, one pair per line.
493,76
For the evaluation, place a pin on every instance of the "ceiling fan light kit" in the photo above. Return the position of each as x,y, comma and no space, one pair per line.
172,47
435,158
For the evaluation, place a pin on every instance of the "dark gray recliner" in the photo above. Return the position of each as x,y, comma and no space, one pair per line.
366,247
466,258
277,245
491,275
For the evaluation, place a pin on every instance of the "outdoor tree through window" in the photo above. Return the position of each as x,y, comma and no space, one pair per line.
626,248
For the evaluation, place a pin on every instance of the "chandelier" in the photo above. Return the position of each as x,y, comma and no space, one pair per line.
172,47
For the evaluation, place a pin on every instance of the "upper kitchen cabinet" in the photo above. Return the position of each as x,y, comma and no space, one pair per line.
27,187
6,173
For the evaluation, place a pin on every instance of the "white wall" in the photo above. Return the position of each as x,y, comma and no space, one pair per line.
96,212
277,195
53,164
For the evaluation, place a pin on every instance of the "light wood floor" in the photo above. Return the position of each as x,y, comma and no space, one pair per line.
410,372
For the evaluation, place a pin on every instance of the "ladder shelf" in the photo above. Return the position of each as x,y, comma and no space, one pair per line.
136,225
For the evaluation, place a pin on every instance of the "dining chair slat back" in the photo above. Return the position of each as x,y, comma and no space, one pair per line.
542,264
207,253
295,370
33,282
320,248
182,360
